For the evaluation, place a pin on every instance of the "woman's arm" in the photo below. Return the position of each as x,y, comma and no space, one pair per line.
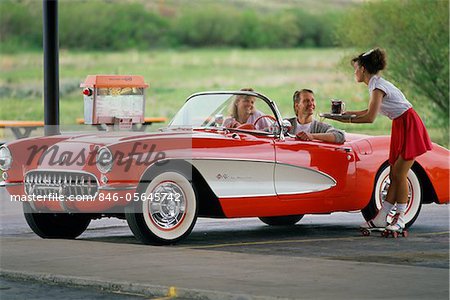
356,112
374,106
370,114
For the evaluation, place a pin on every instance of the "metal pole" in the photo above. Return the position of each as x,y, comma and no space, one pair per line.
51,67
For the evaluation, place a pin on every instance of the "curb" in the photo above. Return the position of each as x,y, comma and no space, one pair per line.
125,287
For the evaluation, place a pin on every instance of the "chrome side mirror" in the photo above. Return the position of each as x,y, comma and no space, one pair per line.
218,120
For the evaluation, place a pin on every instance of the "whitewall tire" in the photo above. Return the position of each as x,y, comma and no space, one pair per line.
382,183
167,211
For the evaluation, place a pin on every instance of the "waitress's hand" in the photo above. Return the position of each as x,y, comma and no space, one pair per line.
342,118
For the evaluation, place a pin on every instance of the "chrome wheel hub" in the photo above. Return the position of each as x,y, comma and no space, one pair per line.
167,205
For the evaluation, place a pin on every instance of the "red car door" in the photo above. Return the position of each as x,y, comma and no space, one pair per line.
314,177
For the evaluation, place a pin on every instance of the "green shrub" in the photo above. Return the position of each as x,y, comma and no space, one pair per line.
251,31
109,26
315,31
212,26
280,30
20,28
415,35
218,25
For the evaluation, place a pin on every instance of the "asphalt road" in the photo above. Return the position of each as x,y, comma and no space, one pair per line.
332,237
33,290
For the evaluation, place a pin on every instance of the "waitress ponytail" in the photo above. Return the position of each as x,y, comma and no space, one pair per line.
373,60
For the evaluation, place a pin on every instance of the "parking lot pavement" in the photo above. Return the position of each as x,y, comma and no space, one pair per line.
198,273
35,290
322,257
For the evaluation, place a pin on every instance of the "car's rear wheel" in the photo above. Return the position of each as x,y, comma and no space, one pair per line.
167,210
281,221
55,225
381,187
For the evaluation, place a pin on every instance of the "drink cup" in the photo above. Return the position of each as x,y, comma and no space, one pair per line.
337,107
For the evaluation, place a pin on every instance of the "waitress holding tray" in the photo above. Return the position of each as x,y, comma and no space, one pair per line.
409,137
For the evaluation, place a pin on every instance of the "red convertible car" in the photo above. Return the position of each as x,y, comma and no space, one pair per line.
197,167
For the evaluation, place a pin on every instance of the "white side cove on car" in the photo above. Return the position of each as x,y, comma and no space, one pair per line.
291,179
244,178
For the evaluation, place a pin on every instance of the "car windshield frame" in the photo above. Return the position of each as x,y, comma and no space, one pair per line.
272,106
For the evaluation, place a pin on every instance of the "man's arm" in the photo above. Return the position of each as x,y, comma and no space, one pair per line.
326,137
327,133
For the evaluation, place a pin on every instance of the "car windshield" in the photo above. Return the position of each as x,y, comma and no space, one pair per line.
225,110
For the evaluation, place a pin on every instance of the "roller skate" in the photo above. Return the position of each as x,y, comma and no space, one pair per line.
378,223
368,231
397,227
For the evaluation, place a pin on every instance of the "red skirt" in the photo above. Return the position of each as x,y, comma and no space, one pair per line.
409,137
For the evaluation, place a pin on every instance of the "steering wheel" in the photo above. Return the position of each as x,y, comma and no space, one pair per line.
262,117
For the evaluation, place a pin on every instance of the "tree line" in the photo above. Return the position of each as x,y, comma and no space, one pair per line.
114,26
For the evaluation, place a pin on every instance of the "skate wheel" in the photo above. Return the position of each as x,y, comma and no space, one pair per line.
365,232
405,233
395,234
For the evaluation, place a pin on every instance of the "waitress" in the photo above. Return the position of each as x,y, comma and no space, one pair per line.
409,137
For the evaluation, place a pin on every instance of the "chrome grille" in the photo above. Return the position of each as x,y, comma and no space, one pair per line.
49,183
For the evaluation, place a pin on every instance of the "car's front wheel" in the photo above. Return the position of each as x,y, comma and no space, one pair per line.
382,183
166,211
281,221
55,225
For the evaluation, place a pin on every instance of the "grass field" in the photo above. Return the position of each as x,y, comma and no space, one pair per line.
174,75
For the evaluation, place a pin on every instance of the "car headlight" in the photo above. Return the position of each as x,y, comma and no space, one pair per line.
104,160
5,158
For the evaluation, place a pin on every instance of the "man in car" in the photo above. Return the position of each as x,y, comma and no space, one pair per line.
305,127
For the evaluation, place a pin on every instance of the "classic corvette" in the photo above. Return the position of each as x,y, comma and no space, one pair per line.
197,167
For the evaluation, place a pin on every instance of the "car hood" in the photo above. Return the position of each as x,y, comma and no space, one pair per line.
116,137
75,150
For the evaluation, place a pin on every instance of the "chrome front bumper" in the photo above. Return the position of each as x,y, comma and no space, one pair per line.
7,184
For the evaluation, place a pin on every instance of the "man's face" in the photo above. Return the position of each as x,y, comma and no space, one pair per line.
306,105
